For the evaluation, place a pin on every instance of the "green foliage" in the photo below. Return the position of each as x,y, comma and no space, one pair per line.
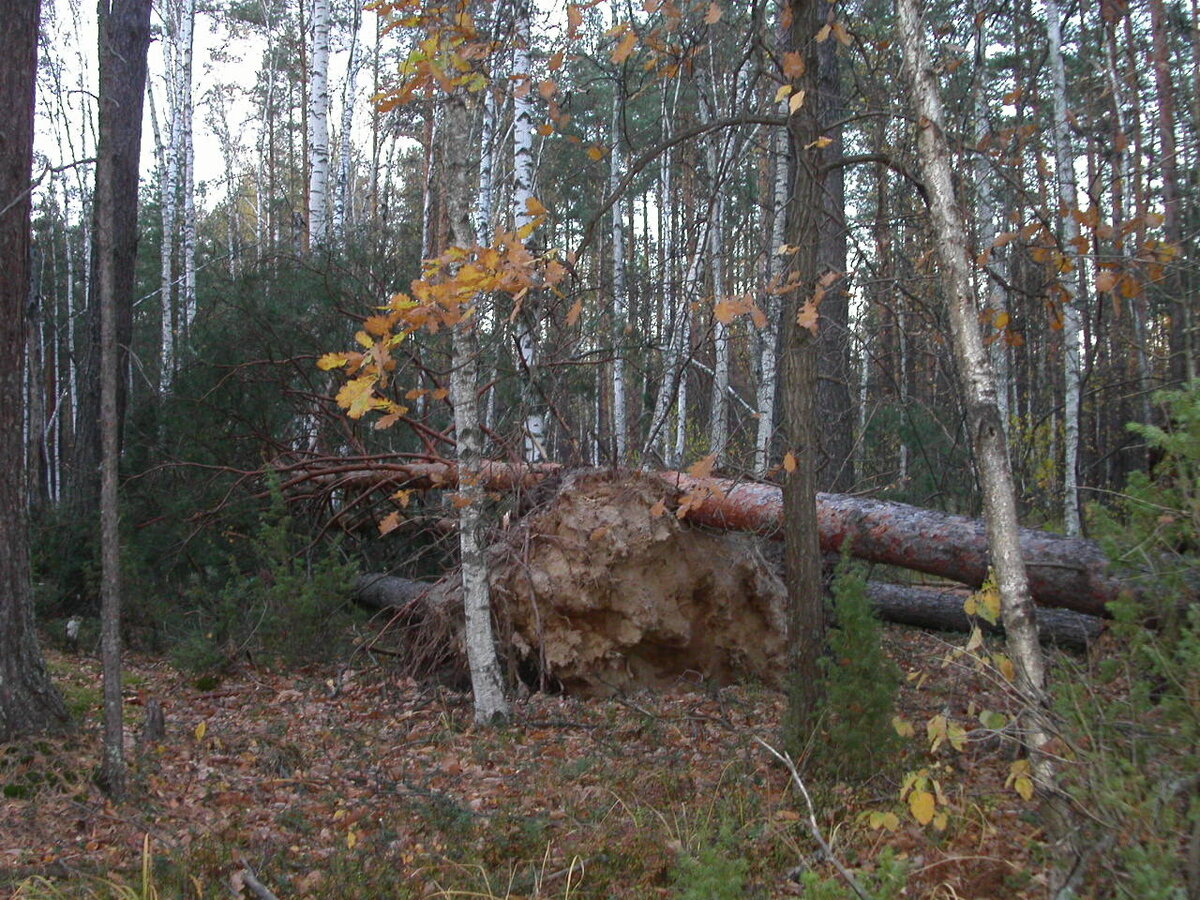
717,871
886,881
1135,779
860,685
281,602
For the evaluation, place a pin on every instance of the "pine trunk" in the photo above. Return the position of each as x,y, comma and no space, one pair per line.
29,702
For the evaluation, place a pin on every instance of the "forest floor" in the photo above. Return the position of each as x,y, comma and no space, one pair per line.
357,783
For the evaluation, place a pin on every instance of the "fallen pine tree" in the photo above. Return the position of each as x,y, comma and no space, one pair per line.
1072,573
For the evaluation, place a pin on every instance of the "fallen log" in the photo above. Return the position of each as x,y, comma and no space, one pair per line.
1072,573
939,609
942,610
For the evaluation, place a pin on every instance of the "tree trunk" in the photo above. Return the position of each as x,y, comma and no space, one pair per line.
769,335
122,91
1072,573
318,127
835,411
620,307
29,702
802,553
124,30
1064,170
486,682
922,607
979,399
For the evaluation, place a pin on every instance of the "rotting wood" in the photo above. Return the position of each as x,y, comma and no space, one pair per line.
1072,573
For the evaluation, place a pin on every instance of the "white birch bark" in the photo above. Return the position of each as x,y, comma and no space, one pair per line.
485,199
318,127
719,426
186,109
620,311
167,173
486,682
979,392
349,99
769,336
522,194
992,295
1064,165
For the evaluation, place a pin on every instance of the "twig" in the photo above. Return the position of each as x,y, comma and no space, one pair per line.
245,877
813,827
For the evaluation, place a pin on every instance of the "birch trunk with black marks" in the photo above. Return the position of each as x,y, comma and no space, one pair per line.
978,387
486,681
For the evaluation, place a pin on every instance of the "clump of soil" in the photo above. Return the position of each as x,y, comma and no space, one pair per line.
601,588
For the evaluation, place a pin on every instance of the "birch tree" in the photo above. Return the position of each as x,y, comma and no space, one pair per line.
620,290
523,215
1064,172
318,126
978,387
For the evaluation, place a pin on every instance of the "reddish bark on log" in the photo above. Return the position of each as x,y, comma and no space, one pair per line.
1072,573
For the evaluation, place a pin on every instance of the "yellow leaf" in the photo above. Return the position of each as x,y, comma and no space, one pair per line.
713,16
1024,787
940,821
440,393
378,325
727,310
782,93
903,727
534,206
807,316
351,839
819,143
703,468
332,361
793,66
823,34
887,820
789,462
574,313
1005,665
596,152
364,339
922,805
201,730
357,396
625,48
390,523
796,101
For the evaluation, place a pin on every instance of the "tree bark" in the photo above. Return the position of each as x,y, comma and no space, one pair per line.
1072,573
979,399
318,126
921,607
802,554
29,702
124,29
122,91
487,685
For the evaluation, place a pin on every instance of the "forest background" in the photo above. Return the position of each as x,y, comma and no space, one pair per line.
644,144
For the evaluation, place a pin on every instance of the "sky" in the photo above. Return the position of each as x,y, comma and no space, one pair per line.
66,101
